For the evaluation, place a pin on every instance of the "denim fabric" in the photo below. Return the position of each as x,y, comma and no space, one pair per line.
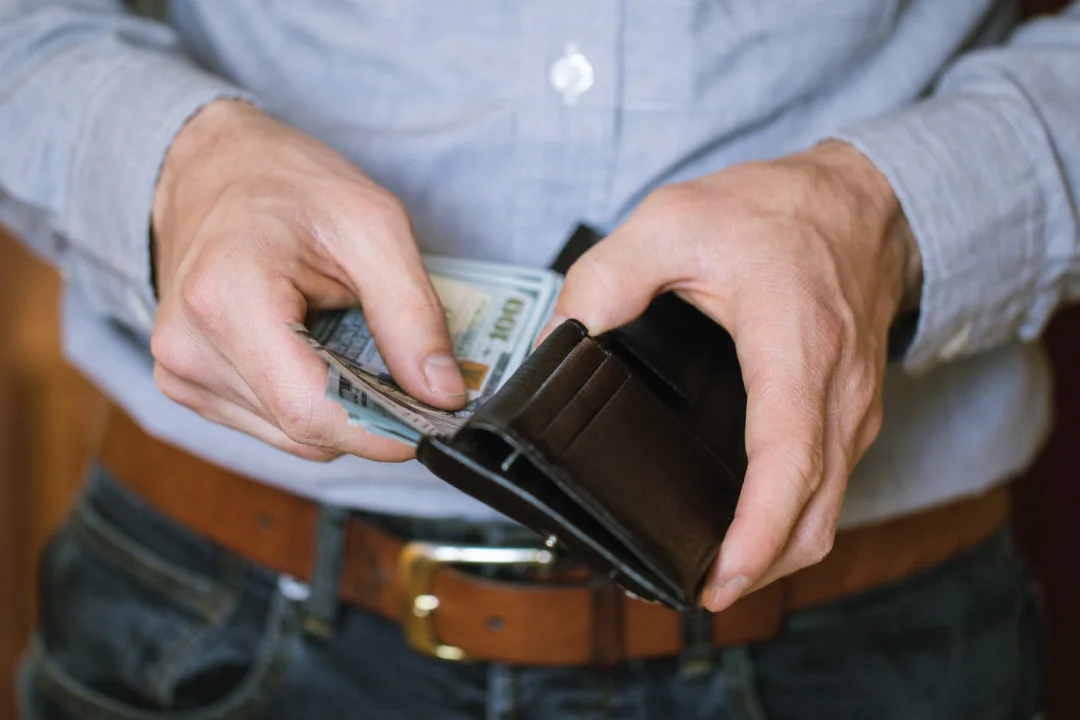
142,620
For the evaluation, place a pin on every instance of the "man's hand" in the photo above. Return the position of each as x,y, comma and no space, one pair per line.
255,224
805,261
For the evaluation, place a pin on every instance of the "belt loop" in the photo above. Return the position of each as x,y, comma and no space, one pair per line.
699,647
740,686
320,611
607,622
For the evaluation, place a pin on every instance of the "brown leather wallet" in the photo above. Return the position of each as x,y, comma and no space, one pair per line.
627,449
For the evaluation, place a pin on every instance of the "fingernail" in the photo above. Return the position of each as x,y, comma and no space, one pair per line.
443,376
722,596
553,322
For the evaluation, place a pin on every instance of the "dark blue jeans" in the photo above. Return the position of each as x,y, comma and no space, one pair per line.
142,620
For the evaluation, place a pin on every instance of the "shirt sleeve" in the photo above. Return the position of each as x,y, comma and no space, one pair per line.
987,170
90,100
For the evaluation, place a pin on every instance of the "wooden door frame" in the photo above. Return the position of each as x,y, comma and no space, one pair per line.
12,502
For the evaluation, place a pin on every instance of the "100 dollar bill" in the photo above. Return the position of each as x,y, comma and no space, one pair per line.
493,314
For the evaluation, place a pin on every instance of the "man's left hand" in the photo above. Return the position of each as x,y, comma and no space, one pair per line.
806,261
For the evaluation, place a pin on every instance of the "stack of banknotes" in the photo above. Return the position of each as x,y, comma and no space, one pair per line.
494,313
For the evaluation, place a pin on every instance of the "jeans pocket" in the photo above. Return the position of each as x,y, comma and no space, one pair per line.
127,635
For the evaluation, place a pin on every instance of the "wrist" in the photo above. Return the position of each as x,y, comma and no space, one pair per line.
196,142
900,234
870,190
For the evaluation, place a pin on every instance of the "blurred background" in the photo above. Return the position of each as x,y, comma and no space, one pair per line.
49,416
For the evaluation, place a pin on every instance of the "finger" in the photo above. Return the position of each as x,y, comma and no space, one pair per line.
214,408
322,292
785,438
812,537
294,382
286,378
614,281
403,311
181,351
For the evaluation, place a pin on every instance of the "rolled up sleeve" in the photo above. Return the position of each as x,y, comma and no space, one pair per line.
90,101
987,170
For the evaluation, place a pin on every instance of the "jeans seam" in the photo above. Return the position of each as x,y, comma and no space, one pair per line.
190,590
501,703
1015,696
740,684
245,702
1027,611
609,696
602,681
189,641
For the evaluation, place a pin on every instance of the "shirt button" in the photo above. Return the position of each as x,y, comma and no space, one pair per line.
954,345
571,74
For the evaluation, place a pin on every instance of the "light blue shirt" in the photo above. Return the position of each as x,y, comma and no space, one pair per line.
503,123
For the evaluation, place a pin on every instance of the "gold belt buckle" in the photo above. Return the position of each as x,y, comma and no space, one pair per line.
418,563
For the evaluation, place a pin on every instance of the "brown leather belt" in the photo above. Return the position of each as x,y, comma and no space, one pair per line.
454,614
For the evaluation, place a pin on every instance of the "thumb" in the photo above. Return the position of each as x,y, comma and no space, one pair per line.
613,283
408,322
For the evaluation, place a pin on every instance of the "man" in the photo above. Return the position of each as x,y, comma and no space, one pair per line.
811,175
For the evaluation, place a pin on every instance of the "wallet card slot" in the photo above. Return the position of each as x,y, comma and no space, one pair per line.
559,389
586,403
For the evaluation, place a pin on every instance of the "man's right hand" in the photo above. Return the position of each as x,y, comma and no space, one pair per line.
256,223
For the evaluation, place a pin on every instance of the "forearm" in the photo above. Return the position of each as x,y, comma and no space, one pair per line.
988,173
90,99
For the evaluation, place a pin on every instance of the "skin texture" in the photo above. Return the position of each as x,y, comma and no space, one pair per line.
806,261
255,224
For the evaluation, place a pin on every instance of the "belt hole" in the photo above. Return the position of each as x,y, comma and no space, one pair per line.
266,522
495,622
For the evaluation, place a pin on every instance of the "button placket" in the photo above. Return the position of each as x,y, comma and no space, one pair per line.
565,127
